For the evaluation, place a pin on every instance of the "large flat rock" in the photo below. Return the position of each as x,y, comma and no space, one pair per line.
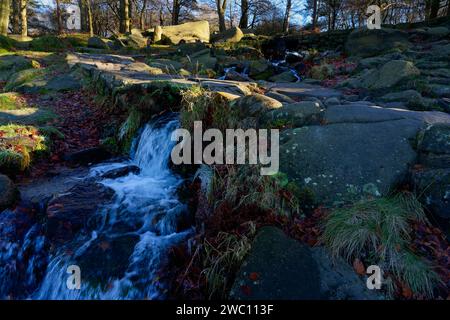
299,90
363,113
117,71
281,268
343,161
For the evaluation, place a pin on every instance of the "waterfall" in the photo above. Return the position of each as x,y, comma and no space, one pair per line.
132,240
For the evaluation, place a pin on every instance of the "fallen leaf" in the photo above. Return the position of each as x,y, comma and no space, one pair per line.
359,267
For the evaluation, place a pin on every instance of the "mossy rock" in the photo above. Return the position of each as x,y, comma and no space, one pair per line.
8,192
28,80
369,43
10,101
10,64
49,43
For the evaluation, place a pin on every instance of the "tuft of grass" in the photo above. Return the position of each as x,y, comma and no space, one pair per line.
222,260
209,107
17,143
380,229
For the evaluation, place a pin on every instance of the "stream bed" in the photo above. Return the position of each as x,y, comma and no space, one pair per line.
121,247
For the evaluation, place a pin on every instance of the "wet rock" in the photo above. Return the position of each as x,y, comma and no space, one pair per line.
293,58
106,259
72,211
8,192
88,156
281,268
120,172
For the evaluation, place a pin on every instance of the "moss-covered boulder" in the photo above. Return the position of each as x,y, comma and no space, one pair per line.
286,76
389,75
10,64
184,33
98,43
26,81
255,105
233,34
369,43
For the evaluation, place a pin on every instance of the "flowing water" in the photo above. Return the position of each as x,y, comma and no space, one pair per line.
124,256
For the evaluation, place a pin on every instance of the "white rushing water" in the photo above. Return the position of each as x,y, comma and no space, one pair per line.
146,208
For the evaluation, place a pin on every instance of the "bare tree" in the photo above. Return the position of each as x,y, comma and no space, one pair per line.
23,18
221,7
287,15
59,16
124,23
5,6
243,22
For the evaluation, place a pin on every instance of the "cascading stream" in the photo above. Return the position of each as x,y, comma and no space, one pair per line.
123,256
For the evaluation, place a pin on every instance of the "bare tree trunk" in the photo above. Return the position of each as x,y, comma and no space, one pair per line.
124,16
5,6
221,7
176,12
314,14
243,22
23,18
16,16
89,18
142,15
161,16
434,8
58,16
287,15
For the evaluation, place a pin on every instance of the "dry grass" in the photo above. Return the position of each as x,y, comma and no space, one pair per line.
380,230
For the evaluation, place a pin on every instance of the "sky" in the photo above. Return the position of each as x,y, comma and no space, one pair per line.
296,18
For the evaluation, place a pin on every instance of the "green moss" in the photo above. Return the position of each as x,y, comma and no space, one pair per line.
129,128
23,76
9,101
111,144
6,43
49,43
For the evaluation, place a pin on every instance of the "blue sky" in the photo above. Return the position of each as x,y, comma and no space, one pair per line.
295,18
